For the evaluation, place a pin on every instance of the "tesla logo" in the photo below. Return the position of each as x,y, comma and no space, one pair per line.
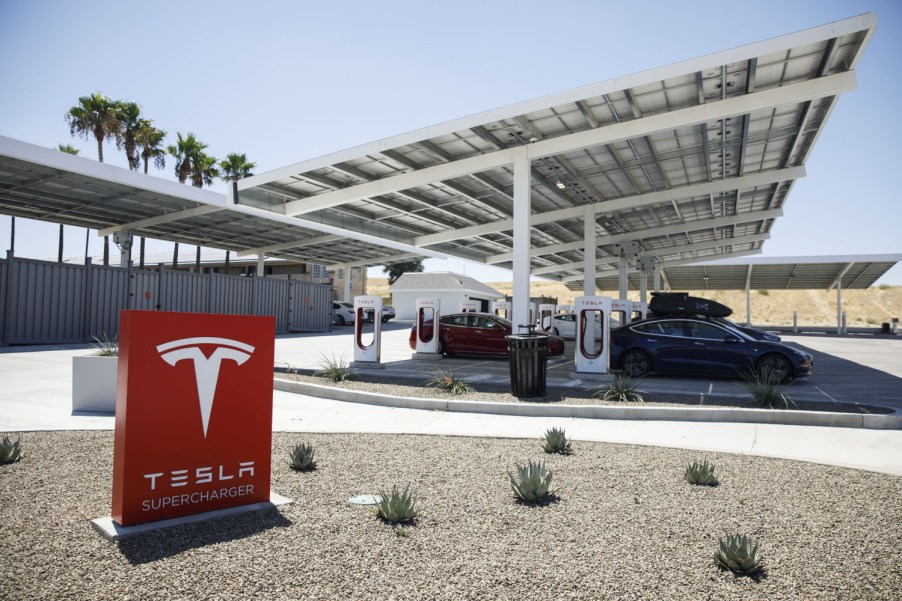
206,369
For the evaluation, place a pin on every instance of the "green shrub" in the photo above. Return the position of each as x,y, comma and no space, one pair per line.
105,346
332,368
10,451
533,482
764,292
397,507
301,457
556,442
739,554
766,389
701,474
445,380
622,388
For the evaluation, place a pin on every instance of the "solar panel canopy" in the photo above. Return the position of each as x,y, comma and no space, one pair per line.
765,273
690,162
682,164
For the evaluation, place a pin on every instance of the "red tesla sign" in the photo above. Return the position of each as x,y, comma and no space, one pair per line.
193,414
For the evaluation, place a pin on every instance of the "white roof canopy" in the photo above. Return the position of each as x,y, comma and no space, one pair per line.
692,161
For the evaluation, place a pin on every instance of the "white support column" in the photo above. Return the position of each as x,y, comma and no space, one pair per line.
623,285
643,281
260,268
347,283
748,297
657,277
625,252
124,241
748,306
589,250
839,305
522,242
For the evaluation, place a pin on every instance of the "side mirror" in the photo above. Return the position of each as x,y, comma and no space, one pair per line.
731,339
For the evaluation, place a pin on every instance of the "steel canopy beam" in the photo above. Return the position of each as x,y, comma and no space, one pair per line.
396,183
288,245
838,279
160,219
799,92
328,229
670,250
627,202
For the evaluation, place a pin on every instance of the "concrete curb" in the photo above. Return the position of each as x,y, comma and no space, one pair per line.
683,414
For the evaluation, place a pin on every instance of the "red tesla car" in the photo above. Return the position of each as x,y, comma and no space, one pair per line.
478,334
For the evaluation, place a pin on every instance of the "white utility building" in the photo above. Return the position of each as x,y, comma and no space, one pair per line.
450,288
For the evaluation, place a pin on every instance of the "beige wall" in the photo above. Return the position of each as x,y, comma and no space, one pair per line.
297,271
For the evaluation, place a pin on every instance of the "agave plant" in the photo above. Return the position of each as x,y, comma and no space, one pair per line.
10,451
301,457
701,474
766,388
622,388
738,553
334,368
445,380
532,483
104,346
397,507
556,441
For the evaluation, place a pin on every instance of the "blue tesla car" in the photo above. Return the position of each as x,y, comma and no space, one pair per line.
692,346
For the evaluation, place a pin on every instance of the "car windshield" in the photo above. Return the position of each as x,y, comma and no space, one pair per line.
505,322
733,328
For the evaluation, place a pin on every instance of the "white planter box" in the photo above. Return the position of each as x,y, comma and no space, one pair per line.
94,383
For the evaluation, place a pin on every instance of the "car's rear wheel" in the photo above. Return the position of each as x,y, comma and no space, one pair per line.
555,332
636,363
440,347
775,366
340,320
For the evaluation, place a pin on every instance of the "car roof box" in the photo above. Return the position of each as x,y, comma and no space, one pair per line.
680,303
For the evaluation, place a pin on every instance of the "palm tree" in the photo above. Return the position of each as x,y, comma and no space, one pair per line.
235,167
68,149
149,139
129,115
94,115
186,151
203,170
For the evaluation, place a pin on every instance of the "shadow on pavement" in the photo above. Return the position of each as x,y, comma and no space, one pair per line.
844,380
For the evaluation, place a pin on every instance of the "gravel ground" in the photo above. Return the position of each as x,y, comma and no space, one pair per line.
625,525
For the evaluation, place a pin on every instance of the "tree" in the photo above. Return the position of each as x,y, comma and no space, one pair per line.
150,140
95,115
235,167
68,149
129,114
186,151
396,270
203,170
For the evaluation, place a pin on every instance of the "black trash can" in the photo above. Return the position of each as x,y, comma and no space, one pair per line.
528,357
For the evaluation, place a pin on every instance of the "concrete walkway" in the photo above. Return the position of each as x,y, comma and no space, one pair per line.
35,394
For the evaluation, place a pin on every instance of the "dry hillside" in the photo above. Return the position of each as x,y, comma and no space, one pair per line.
869,307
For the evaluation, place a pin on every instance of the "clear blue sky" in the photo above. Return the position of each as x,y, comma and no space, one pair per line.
289,81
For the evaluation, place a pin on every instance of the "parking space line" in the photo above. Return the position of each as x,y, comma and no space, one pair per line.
825,394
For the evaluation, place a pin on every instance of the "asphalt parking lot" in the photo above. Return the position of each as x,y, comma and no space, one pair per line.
858,369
